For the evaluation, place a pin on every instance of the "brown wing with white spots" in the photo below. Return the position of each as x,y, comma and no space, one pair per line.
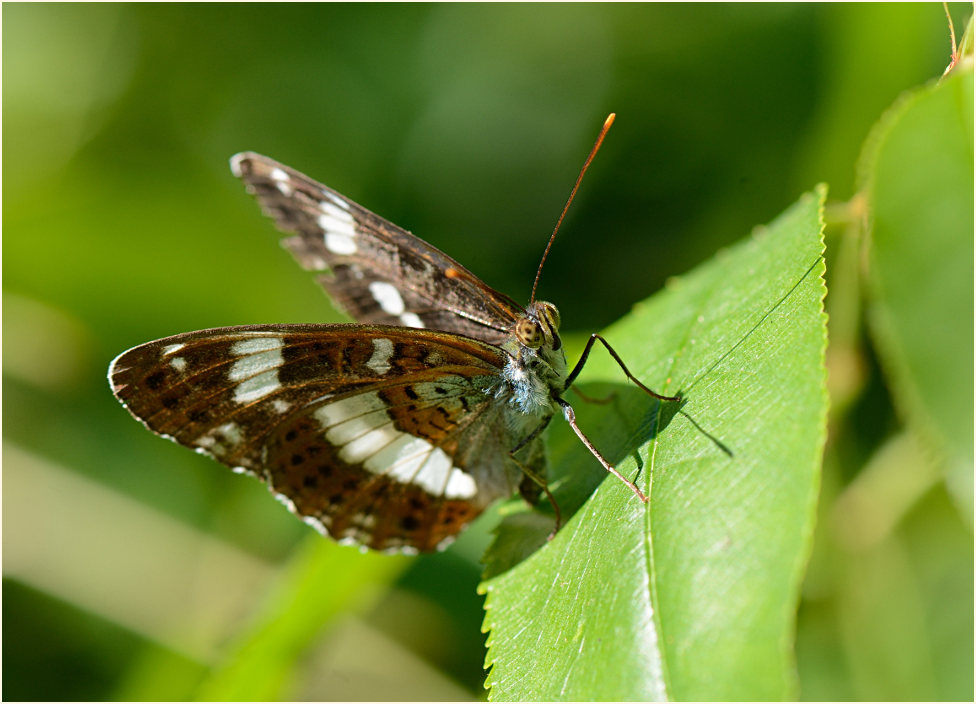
377,272
371,433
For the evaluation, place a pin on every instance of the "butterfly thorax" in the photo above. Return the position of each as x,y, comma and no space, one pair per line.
536,366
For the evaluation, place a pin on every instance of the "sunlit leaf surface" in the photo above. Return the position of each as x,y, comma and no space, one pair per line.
691,596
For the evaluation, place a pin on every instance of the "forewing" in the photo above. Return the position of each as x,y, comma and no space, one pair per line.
365,431
377,272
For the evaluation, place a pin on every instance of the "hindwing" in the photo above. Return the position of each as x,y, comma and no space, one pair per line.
379,435
374,270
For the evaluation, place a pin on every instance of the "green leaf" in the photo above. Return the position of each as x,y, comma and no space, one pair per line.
324,581
693,595
918,168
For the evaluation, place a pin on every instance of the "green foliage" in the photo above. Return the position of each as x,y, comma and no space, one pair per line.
323,583
888,612
919,188
692,595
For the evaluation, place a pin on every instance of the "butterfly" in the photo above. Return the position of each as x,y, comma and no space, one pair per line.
391,433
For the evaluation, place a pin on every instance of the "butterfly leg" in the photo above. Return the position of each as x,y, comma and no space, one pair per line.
531,436
586,353
544,485
570,415
534,476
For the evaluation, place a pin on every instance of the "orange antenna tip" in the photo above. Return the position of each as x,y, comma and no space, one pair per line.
586,164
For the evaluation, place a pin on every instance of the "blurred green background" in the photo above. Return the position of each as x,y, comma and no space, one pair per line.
131,566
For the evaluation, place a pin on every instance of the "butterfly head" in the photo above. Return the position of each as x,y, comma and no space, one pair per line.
539,327
537,366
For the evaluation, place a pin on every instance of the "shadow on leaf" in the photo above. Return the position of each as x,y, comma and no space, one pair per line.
619,419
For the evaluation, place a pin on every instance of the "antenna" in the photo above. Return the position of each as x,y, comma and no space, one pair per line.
593,151
954,57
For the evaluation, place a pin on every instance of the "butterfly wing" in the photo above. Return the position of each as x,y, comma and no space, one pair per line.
374,434
377,272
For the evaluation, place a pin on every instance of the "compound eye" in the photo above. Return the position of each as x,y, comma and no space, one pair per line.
529,333
551,315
